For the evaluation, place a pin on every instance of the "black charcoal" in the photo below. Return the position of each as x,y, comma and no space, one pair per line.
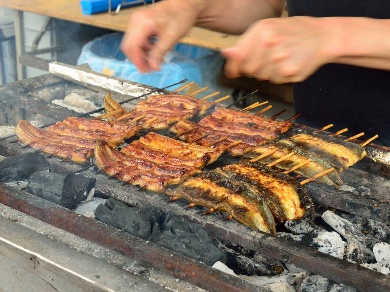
22,167
170,231
66,190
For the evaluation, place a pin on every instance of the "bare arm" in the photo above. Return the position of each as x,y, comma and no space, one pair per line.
291,49
234,17
361,42
169,20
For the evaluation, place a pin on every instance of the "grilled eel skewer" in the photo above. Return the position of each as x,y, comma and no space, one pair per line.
206,136
181,150
75,149
74,138
129,174
241,206
282,190
253,195
341,154
168,108
282,148
271,129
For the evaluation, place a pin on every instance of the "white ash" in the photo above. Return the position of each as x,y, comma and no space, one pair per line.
284,282
223,268
299,226
280,283
352,233
374,231
382,256
88,208
320,284
330,243
290,236
77,103
6,131
344,227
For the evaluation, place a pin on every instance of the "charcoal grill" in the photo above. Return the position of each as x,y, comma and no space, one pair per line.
28,98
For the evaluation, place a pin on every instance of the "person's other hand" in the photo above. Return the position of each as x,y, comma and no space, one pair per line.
152,32
280,50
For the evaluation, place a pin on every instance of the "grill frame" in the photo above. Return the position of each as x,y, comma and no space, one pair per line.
21,94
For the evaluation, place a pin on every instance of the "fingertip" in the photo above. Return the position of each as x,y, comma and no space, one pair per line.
228,52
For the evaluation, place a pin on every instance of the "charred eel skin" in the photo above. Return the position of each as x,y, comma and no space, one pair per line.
204,192
285,191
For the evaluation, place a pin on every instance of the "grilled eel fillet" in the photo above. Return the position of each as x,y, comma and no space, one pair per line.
137,171
207,136
280,191
179,149
205,192
237,128
169,109
74,138
180,101
341,154
75,149
95,133
282,148
269,129
129,174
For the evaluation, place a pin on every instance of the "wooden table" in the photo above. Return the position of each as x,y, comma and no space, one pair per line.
71,10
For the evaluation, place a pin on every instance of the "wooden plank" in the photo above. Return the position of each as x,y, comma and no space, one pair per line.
71,10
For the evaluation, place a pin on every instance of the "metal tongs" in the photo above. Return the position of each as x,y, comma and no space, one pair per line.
127,4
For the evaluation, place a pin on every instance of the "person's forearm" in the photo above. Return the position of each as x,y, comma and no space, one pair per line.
231,16
360,41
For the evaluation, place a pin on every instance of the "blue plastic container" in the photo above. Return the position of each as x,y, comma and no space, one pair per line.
184,62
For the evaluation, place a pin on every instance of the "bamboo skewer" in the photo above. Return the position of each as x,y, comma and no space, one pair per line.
297,166
340,132
277,114
109,114
292,118
242,98
218,141
184,86
354,137
137,119
234,144
369,140
280,159
252,106
193,94
314,177
324,128
148,122
112,102
184,133
124,117
209,96
198,139
222,99
260,112
255,105
264,155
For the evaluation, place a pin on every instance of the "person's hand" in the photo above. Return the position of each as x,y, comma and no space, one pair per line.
280,50
153,31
